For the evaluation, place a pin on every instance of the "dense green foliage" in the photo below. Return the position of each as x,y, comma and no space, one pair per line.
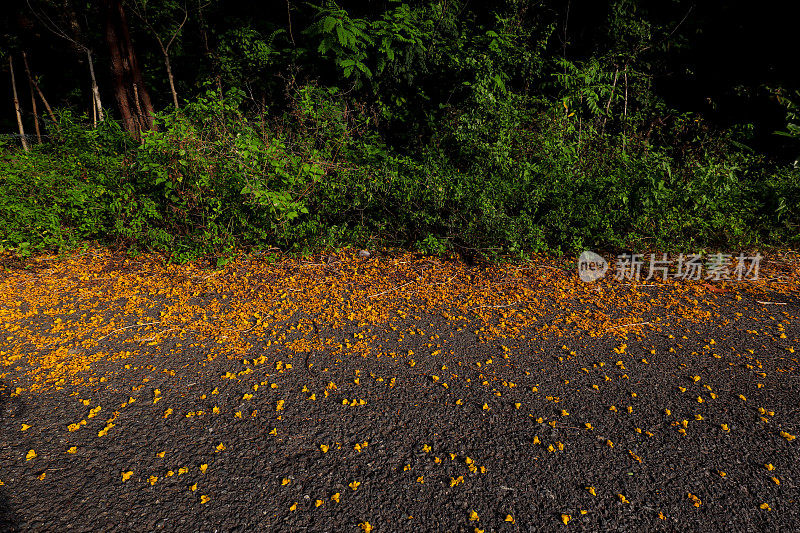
425,125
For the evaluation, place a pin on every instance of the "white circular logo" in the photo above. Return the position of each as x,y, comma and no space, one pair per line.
591,266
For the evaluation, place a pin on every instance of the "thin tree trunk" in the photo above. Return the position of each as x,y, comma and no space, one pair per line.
94,113
33,98
138,107
611,97
95,88
44,101
16,104
625,112
171,79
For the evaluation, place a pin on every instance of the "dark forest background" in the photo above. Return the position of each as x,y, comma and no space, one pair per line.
200,127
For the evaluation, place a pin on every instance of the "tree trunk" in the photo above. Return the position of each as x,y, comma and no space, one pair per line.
33,98
171,79
16,104
95,88
44,101
132,97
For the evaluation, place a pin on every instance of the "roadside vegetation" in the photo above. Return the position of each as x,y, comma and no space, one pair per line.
487,130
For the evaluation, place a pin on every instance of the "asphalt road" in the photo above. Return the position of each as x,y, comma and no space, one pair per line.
395,393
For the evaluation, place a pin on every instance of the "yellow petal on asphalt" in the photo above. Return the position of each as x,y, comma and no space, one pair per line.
30,455
127,475
72,449
203,468
204,499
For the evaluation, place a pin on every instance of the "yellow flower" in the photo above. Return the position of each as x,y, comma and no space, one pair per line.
72,449
152,480
193,487
592,491
220,447
565,518
203,468
365,527
354,485
695,499
204,499
318,503
127,475
285,481
279,406
25,427
293,506
473,516
336,497
509,518
324,448
31,454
